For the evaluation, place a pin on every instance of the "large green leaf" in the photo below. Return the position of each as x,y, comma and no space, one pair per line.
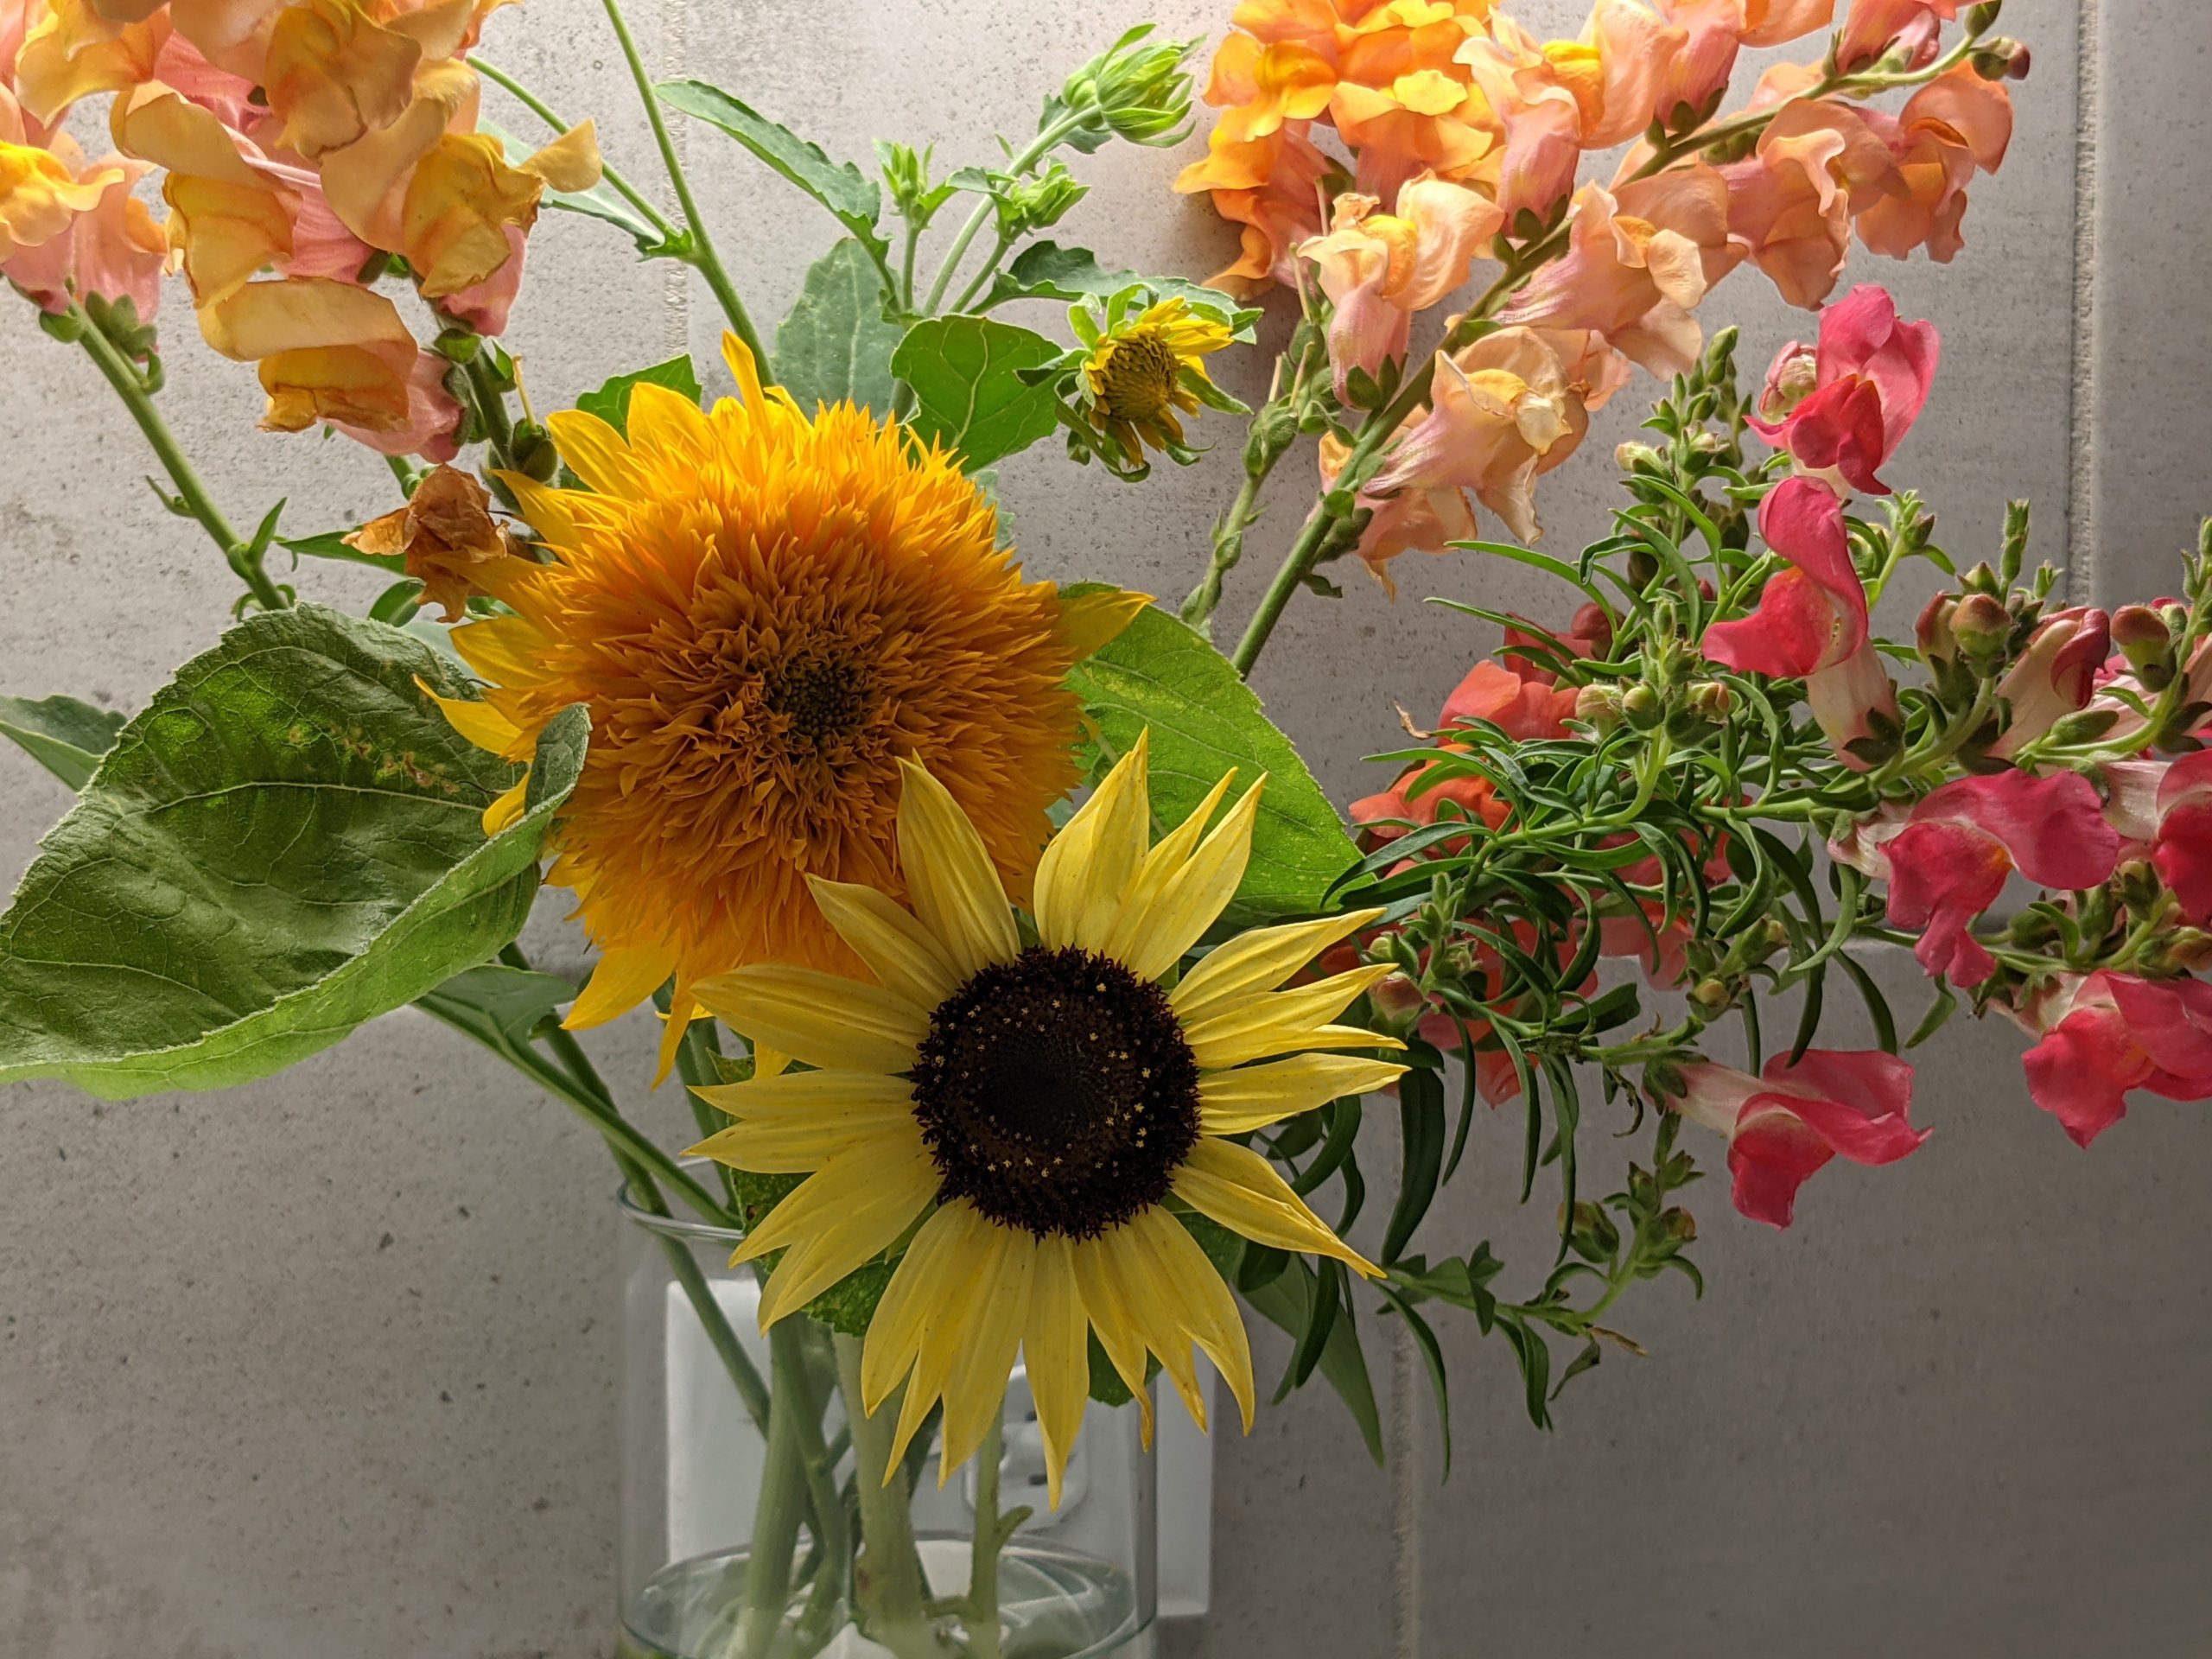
62,734
835,345
966,373
839,186
285,843
1204,720
611,401
1046,271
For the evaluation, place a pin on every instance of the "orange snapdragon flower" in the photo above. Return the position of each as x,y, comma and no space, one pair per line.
1956,126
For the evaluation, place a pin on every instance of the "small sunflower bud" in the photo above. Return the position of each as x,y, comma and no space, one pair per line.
1598,707
1644,707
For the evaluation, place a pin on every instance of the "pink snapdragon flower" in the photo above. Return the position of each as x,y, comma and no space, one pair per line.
1811,619
2108,1034
2054,675
2182,847
1841,408
1784,1127
1873,27
1948,858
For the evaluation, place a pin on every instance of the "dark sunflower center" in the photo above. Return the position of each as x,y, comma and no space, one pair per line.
822,697
1057,1093
1139,378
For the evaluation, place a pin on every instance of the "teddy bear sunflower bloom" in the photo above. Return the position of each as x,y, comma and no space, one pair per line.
1032,1111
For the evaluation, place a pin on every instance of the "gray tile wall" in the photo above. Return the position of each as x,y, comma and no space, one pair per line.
326,1366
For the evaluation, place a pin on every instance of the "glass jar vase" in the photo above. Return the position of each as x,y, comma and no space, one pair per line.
731,1439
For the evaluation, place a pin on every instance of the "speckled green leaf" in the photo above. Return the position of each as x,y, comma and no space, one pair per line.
285,843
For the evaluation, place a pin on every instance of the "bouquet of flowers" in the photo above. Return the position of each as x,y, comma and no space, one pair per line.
1029,992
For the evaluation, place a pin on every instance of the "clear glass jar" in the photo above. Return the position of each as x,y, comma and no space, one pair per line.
893,1572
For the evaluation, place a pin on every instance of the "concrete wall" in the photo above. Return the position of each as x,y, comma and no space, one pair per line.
326,1366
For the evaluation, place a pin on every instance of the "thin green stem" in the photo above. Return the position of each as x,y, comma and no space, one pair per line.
906,266
1042,145
491,400
991,1534
123,375
990,266
704,255
887,1577
615,182
782,1497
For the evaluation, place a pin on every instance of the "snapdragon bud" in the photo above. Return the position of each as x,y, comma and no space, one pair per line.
1644,707
2186,949
2002,60
2141,636
1709,700
1712,994
2138,885
1983,628
1590,1233
1790,380
1598,707
2086,726
1633,457
1932,635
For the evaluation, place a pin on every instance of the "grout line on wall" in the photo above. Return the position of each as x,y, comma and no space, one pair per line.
675,277
1405,1504
2081,553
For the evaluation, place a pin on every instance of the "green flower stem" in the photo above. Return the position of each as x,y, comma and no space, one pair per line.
704,257
124,377
1042,145
888,1578
1262,452
990,267
993,1529
826,1506
491,407
783,1492
615,182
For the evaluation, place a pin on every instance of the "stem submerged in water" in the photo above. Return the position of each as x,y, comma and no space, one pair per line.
888,1587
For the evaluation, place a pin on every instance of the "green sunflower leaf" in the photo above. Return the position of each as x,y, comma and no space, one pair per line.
1159,673
969,393
839,186
835,344
611,401
288,842
62,734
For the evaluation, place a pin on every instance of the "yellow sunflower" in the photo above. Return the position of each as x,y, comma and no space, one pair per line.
766,615
1142,373
1041,1111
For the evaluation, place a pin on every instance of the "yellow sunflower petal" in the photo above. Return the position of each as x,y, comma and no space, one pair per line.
666,418
1090,864
742,367
507,807
596,453
789,1146
826,1019
1269,1022
1106,1304
1252,1096
506,650
894,1163
1155,1301
976,1250
683,1009
1160,866
1240,1189
847,1213
975,1393
1090,621
955,889
914,1303
547,509
626,977
1210,1311
480,722
1055,1353
797,1097
899,950
1195,895
1259,960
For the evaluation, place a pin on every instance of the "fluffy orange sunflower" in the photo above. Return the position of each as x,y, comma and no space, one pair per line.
765,615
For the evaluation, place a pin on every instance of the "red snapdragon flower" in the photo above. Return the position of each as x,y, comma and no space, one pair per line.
1845,412
2182,849
1784,1127
2109,1033
1811,621
1948,859
1523,705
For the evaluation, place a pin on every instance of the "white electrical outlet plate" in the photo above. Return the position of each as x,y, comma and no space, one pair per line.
716,1458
